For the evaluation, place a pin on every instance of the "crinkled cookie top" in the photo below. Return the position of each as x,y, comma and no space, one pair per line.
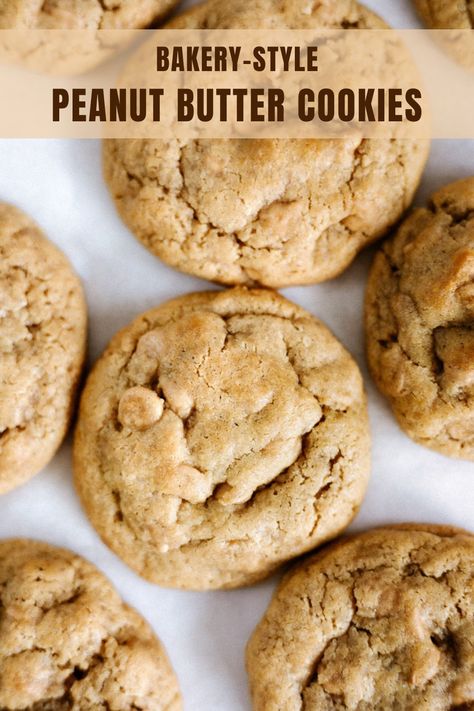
420,321
380,622
42,343
82,14
219,435
269,212
68,642
278,14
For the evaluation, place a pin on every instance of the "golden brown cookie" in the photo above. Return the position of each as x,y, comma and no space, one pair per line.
451,15
42,347
269,212
420,322
219,435
383,621
447,14
67,641
82,14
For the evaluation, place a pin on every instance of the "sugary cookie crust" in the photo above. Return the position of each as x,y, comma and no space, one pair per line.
447,14
220,435
82,14
420,322
42,347
69,643
270,212
384,620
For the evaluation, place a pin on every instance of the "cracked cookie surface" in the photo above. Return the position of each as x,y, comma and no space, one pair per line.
69,643
42,347
268,212
82,14
420,322
219,435
378,622
447,14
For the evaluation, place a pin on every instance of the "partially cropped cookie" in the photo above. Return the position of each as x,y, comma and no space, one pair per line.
420,322
82,14
42,347
219,435
451,15
268,212
447,14
382,622
67,641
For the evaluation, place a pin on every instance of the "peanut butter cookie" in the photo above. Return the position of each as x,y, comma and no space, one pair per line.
82,14
447,14
42,347
269,212
219,435
451,15
420,322
380,622
68,642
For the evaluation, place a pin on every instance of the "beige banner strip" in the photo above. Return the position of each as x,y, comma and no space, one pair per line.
248,84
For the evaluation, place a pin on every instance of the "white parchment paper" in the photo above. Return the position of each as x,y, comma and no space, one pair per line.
60,184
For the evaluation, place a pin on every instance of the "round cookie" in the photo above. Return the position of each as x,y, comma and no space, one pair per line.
380,622
269,212
420,322
447,14
219,435
67,641
82,14
42,347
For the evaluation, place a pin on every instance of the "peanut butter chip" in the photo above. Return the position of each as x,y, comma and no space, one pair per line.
420,322
187,483
177,397
139,408
260,453
379,622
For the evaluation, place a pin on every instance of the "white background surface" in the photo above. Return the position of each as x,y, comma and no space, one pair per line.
60,184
